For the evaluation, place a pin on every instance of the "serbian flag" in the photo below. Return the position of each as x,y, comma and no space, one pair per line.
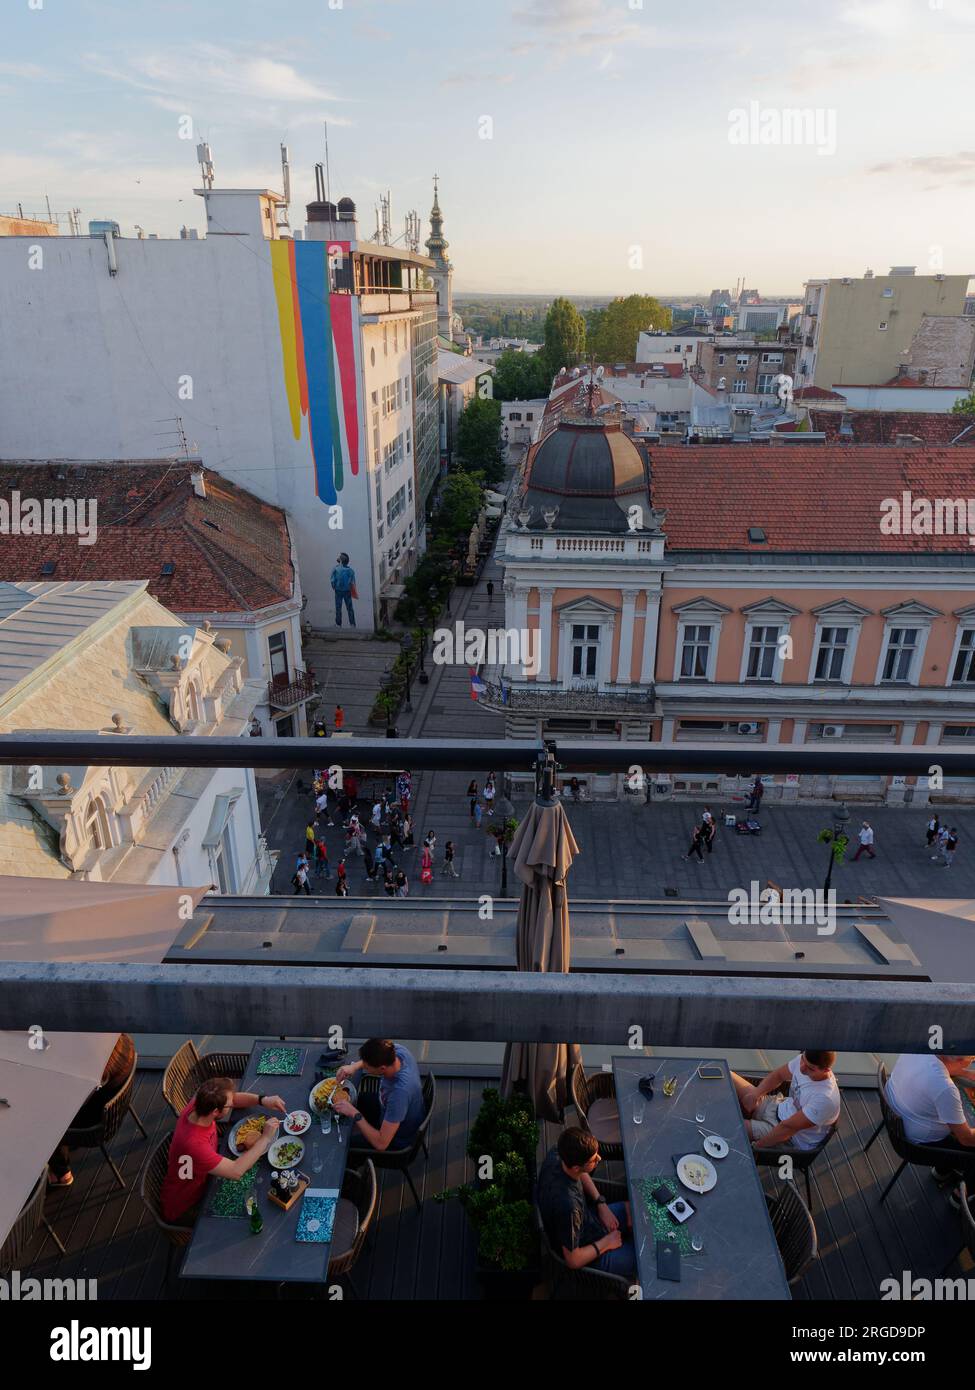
477,685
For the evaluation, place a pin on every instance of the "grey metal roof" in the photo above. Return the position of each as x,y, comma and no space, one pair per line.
38,620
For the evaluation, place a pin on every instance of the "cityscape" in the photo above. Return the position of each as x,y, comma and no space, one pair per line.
487,665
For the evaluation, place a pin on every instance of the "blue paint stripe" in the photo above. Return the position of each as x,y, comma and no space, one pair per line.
317,332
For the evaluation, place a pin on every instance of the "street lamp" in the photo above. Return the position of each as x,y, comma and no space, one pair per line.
406,646
505,811
840,818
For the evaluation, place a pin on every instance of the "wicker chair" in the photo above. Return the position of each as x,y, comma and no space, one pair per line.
26,1226
795,1230
400,1159
967,1229
353,1221
594,1098
150,1188
187,1072
588,1282
925,1155
99,1135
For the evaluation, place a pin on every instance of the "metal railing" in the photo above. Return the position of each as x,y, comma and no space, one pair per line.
292,693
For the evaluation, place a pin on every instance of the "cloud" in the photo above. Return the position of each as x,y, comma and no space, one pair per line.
472,79
949,170
30,71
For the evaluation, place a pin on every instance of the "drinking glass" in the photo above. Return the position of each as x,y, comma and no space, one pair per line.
317,1164
697,1243
638,1108
700,1117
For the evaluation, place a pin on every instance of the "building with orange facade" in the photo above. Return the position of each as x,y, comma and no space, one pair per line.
752,592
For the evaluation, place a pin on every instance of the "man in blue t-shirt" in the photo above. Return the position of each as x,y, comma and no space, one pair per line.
391,1120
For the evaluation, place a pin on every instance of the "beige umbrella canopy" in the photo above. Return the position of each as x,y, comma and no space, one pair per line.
541,855
45,1078
940,932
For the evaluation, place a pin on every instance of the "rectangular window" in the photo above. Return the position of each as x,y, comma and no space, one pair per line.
395,506
409,442
277,650
899,658
529,415
399,394
739,386
965,660
406,389
762,651
771,357
766,384
695,651
959,731
742,361
720,359
831,656
882,326
585,650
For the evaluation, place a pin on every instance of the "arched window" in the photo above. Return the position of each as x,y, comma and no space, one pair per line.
96,824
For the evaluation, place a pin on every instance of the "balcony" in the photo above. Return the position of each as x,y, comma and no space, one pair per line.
283,693
393,301
547,699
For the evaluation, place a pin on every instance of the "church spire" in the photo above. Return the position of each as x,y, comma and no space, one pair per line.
435,243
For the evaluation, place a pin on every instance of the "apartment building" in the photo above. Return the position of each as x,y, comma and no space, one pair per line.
743,366
860,330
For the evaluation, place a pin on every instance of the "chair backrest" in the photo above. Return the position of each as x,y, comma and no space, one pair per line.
22,1232
363,1189
150,1190
967,1220
177,1086
429,1101
579,1091
893,1123
795,1230
116,1109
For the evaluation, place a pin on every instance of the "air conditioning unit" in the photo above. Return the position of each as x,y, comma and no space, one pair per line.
833,730
752,727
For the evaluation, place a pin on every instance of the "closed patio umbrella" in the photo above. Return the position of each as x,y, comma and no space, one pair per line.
541,855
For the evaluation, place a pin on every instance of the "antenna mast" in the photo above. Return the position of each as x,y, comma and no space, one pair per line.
206,164
328,178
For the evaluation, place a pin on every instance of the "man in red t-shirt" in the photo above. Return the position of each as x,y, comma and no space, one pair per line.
193,1152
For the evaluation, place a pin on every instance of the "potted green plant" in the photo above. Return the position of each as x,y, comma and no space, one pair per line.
498,1202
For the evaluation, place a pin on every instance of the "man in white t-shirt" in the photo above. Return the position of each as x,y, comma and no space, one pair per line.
922,1091
799,1118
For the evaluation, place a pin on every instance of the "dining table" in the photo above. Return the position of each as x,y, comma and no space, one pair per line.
738,1255
223,1246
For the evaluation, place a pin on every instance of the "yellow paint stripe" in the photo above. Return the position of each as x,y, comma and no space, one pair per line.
284,293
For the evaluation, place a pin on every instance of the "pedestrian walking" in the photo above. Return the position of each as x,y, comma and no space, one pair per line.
490,588
934,825
430,841
300,879
947,844
472,795
321,802
710,829
342,873
755,795
310,836
696,845
389,882
406,831
338,719
489,794
341,888
426,865
865,836
377,815
402,885
351,788
321,859
369,863
478,813
575,788
448,861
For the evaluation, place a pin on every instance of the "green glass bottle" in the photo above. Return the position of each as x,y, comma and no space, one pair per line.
254,1212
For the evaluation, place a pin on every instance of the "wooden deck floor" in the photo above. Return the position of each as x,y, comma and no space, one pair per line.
429,1255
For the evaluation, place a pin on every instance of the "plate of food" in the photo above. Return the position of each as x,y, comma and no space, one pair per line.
296,1122
286,1153
697,1173
327,1092
246,1133
716,1146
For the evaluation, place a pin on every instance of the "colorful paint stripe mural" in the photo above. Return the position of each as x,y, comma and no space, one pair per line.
319,355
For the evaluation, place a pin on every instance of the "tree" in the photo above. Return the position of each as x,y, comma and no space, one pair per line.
619,325
565,336
521,376
966,406
479,438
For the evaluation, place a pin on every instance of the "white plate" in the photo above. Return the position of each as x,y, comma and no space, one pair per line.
716,1146
273,1151
232,1138
317,1109
711,1179
296,1122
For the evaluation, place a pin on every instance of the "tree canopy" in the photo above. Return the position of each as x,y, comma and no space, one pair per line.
966,406
479,438
521,376
613,331
565,336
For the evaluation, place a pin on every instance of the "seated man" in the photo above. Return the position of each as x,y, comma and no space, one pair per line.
921,1090
391,1120
799,1119
193,1151
581,1225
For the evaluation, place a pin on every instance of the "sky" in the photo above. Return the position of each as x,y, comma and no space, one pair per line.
583,146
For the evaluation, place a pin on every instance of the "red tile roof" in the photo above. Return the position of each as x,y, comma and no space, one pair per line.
883,426
231,552
817,393
810,499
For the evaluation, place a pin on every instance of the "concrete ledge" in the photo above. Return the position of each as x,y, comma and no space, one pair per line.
499,1006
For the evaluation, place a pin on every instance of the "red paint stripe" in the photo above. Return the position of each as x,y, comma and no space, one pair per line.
341,310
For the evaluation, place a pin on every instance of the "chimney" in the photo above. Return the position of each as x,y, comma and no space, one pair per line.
907,441
742,424
198,479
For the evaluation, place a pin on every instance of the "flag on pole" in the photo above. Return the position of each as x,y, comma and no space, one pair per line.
477,685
